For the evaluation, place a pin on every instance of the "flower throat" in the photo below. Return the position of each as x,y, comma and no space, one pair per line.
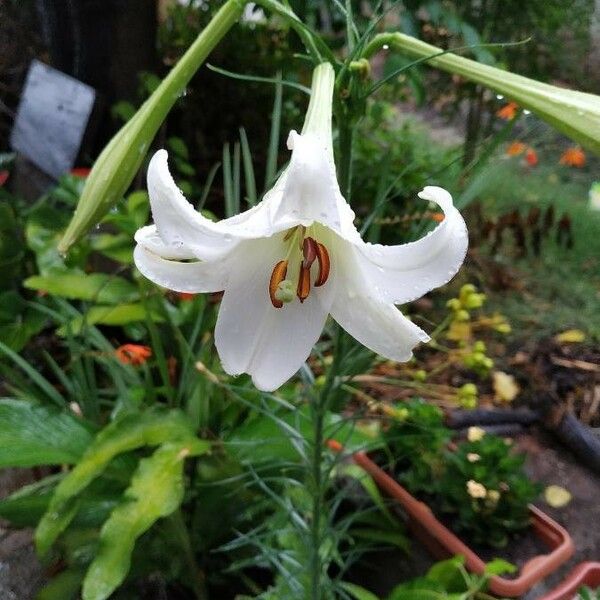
283,290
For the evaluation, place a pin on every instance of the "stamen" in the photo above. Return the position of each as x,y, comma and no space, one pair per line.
277,276
309,250
303,289
324,265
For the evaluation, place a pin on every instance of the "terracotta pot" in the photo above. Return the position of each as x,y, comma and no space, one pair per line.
442,542
587,573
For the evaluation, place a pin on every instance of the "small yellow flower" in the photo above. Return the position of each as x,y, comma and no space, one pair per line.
493,496
476,489
473,457
474,434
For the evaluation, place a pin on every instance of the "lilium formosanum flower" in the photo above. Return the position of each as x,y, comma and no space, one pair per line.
295,258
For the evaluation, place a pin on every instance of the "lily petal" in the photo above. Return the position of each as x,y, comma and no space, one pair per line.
311,191
376,324
180,226
251,335
405,272
191,277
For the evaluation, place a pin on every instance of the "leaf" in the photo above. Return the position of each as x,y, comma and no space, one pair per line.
499,566
32,435
122,314
359,593
506,389
264,437
570,336
448,573
128,433
557,496
120,160
156,491
97,287
39,380
64,586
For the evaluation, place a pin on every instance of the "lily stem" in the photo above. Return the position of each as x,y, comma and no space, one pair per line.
345,144
318,483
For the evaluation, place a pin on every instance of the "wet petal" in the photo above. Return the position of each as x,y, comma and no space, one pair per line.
376,324
405,272
191,277
252,336
311,191
180,226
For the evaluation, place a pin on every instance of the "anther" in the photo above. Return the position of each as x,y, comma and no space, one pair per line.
277,276
309,250
303,289
324,265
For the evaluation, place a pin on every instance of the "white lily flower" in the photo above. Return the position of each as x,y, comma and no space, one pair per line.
295,258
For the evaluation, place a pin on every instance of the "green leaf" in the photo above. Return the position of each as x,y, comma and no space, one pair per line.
122,314
359,593
32,435
156,491
64,586
499,566
128,433
97,287
43,384
122,157
264,437
177,146
449,574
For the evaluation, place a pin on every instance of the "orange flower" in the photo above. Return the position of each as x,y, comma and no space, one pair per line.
185,296
573,157
531,157
508,112
438,217
133,354
81,172
516,148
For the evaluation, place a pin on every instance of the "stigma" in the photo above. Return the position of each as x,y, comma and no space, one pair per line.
281,290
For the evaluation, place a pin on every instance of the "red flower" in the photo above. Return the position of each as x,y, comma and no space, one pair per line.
3,177
516,148
508,112
133,354
531,157
82,172
573,157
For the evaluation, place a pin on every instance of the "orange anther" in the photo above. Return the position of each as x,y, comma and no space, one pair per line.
277,276
303,289
324,265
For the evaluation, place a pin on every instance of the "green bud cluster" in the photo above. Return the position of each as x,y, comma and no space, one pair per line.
467,396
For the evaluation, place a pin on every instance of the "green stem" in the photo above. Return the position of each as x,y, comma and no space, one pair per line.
296,24
345,144
319,408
